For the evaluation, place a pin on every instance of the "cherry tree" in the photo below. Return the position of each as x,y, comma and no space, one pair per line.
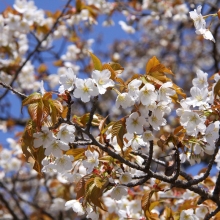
108,133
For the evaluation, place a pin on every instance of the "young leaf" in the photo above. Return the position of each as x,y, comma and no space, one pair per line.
217,89
33,98
96,62
77,153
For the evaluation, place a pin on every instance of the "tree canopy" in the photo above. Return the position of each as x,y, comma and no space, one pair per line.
107,104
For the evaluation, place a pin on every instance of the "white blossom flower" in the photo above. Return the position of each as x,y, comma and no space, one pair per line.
211,134
127,28
192,122
124,100
147,136
201,211
118,192
135,206
67,81
110,204
134,140
199,97
206,33
201,80
156,120
13,21
197,17
148,94
163,107
43,138
56,147
91,161
135,123
76,206
49,169
5,155
85,89
125,178
64,163
188,215
91,214
102,80
66,133
165,92
133,88
144,109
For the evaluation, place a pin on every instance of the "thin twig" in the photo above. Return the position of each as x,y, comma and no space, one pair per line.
23,96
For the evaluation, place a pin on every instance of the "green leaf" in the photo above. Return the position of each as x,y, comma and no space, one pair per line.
96,62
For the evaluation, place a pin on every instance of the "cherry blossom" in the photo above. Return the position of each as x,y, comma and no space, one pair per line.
124,100
118,192
206,33
133,88
91,161
66,133
135,123
102,80
85,89
64,163
125,178
197,17
76,206
43,138
67,81
56,147
148,94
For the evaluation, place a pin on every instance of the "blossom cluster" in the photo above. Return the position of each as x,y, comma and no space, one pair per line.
194,120
200,24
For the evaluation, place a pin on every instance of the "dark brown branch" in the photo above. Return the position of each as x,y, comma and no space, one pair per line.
145,157
212,214
217,186
206,174
147,166
13,90
139,182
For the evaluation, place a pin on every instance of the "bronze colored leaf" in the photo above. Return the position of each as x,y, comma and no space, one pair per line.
217,89
58,63
152,63
33,98
77,153
42,68
106,66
